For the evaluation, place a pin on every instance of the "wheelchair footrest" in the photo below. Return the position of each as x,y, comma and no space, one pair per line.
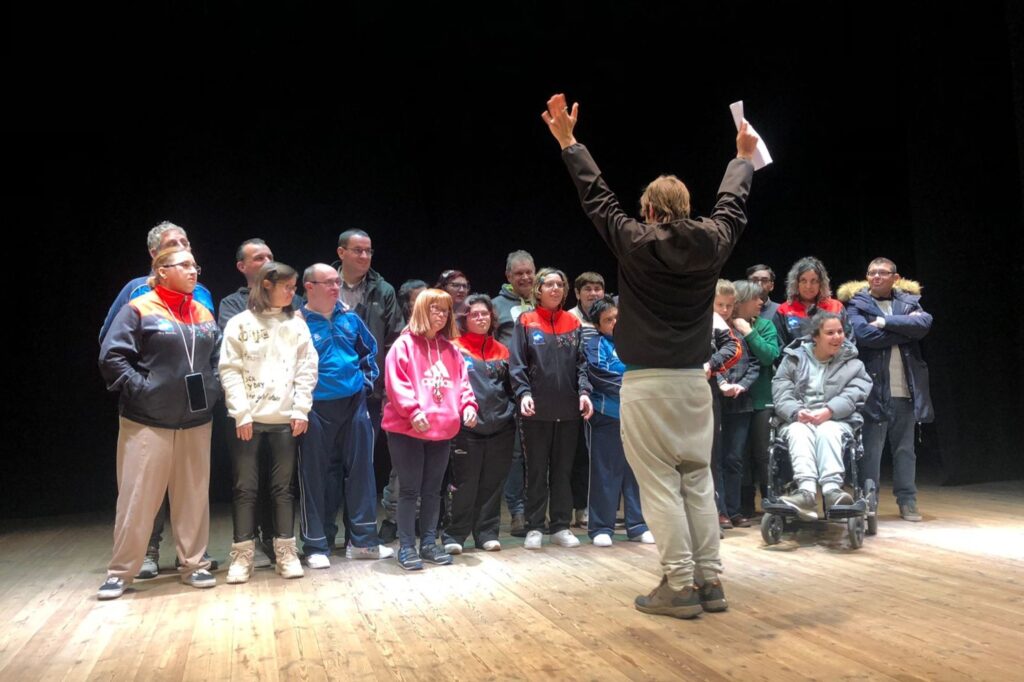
846,511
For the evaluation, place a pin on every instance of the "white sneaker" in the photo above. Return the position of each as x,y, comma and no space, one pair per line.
375,552
645,538
533,539
241,566
565,538
492,546
453,548
318,561
602,540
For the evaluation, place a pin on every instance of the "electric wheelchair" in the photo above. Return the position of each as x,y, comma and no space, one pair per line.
860,517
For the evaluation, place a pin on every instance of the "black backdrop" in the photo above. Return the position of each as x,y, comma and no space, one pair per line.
894,132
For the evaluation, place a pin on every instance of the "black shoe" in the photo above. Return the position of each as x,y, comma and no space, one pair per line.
712,596
518,526
388,532
739,521
435,554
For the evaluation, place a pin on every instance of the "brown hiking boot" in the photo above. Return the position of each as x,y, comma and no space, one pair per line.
664,601
712,596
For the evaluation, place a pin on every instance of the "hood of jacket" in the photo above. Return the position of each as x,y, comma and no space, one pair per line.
848,290
847,351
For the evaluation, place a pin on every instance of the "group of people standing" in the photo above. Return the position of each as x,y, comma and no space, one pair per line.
480,399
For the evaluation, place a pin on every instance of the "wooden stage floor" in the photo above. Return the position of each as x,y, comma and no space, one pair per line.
938,600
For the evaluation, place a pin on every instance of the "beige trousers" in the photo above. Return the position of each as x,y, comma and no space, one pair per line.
150,462
667,431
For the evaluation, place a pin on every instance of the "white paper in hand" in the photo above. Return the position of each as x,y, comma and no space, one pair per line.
761,156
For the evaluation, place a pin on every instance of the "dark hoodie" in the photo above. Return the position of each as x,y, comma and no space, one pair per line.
509,306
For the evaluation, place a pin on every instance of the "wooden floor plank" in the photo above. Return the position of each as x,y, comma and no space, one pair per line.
938,600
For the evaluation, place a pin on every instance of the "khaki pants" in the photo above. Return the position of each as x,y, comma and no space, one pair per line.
150,462
667,431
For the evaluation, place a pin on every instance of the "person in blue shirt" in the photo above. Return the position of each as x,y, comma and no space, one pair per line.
610,474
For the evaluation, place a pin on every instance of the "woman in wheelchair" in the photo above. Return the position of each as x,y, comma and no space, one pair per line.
817,391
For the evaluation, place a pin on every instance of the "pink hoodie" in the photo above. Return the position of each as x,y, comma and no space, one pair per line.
418,372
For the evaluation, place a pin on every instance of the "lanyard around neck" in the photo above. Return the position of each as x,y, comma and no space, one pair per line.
189,355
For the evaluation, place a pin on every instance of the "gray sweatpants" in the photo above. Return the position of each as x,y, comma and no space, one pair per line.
667,431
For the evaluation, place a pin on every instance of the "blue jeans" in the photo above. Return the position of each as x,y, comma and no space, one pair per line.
735,428
610,476
900,433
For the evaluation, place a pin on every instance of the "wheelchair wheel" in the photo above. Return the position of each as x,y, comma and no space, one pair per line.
771,528
871,493
855,525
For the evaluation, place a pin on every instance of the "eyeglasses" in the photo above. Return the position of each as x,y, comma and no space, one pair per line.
880,273
461,286
552,285
442,312
760,280
358,251
478,315
186,265
328,282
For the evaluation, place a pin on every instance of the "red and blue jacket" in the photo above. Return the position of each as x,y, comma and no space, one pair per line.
487,367
145,356
547,363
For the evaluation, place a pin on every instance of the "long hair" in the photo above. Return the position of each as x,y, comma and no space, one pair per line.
806,264
273,272
419,321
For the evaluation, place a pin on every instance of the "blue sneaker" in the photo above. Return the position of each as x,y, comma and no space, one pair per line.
409,559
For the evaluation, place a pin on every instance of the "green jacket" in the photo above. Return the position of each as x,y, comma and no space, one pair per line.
763,342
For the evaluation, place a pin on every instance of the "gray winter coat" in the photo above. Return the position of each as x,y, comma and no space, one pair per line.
847,383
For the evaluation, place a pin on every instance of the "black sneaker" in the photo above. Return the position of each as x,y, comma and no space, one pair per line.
712,596
435,554
909,511
409,559
802,502
112,588
388,532
200,578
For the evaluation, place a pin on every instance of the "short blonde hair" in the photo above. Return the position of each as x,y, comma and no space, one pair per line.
419,321
725,288
668,197
539,279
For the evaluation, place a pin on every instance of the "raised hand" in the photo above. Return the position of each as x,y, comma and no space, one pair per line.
746,142
560,121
